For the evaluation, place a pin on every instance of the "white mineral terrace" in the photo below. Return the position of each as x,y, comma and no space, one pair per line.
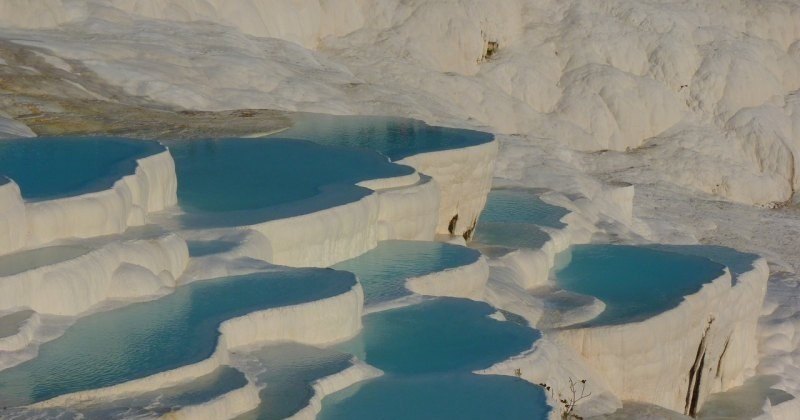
621,362
651,122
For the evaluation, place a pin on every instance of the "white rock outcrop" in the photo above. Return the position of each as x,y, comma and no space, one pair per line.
118,270
152,187
677,358
464,176
467,281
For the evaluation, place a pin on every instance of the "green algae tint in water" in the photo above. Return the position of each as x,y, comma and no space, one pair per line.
428,352
146,338
634,282
46,168
383,270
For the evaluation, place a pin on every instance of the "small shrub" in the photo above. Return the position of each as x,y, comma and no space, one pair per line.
577,393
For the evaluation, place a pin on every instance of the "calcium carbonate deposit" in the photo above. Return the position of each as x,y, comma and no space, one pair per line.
338,209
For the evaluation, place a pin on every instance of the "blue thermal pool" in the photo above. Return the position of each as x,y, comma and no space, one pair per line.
47,168
287,372
252,180
22,261
384,270
512,219
738,262
428,352
521,206
145,338
634,282
395,138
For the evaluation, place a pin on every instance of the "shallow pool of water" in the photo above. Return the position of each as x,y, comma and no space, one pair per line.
288,371
47,168
253,180
384,270
22,261
509,235
393,137
521,206
145,338
512,218
634,282
428,352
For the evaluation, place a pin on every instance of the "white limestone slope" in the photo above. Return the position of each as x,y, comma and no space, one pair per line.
10,129
464,176
152,187
318,322
467,281
677,358
119,270
406,209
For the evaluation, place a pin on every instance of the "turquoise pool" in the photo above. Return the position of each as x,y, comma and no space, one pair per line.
738,262
521,206
254,180
461,396
428,352
512,218
634,282
145,338
395,138
383,270
47,168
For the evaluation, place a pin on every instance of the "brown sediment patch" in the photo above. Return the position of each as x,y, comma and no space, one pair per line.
55,102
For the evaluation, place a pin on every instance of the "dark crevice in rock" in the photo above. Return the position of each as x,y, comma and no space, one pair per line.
452,226
468,233
721,355
696,374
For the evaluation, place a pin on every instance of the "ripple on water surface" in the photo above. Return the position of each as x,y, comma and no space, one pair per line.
428,352
383,270
145,338
47,168
634,282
